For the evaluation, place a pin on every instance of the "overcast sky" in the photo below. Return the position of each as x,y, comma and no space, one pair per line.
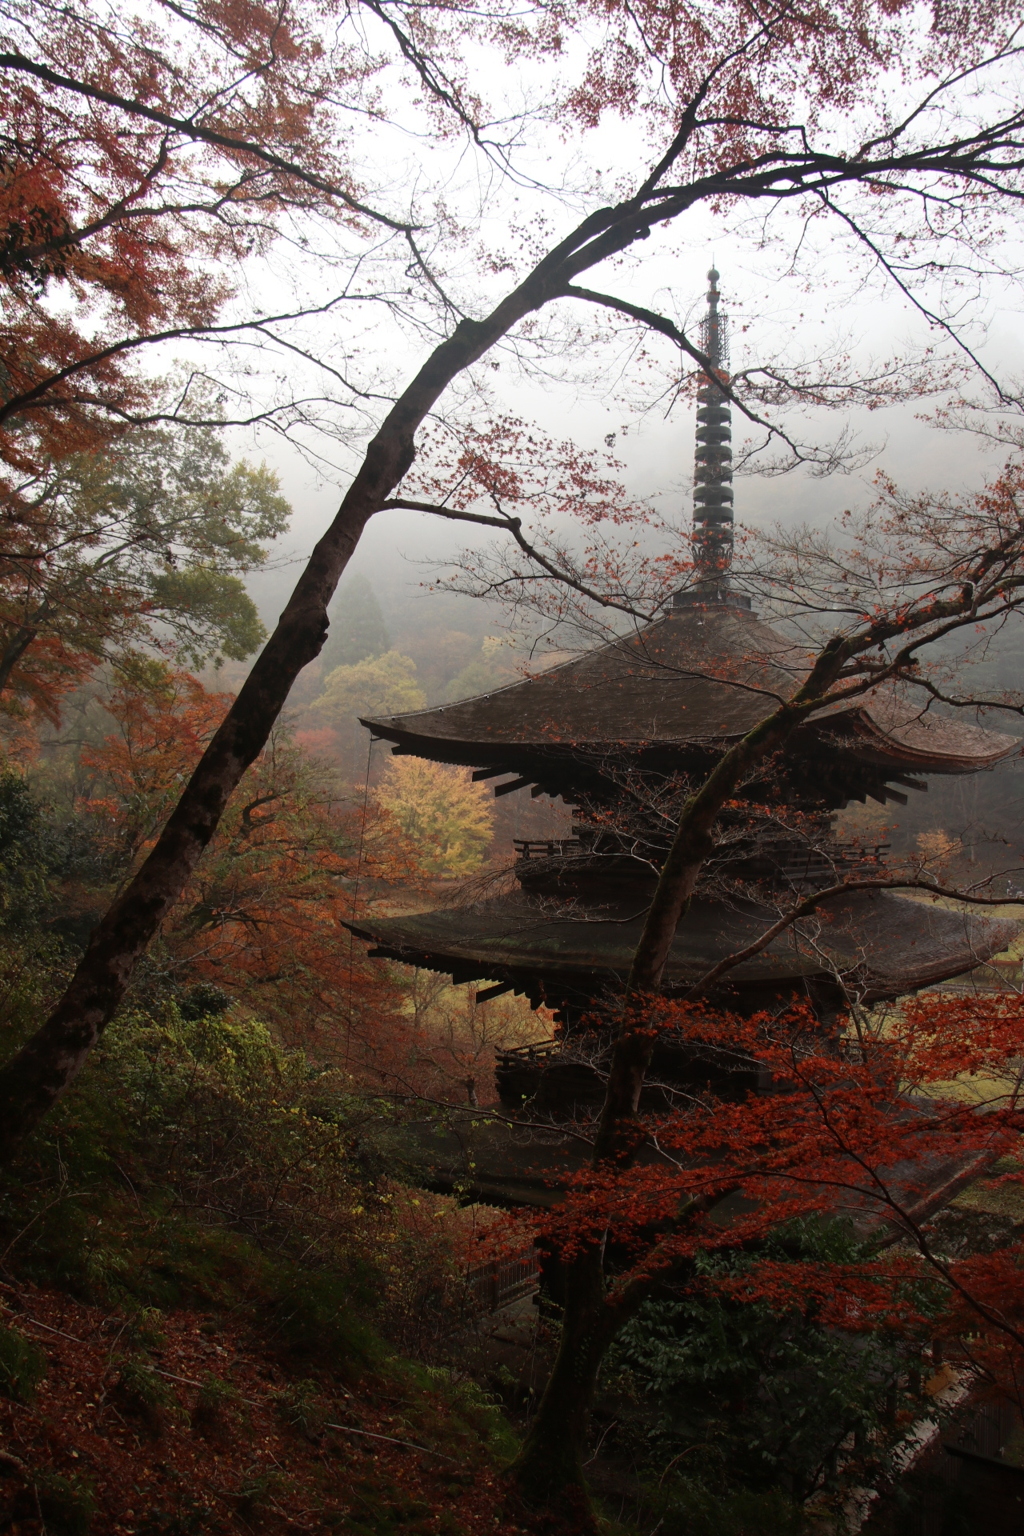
780,311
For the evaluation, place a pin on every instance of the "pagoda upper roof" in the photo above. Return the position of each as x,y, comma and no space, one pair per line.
701,674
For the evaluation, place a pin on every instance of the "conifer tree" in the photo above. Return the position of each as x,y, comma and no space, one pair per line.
357,632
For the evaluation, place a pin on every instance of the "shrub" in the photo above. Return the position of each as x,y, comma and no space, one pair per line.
216,1408
143,1328
141,1393
203,1001
760,1395
302,1405
245,1159
67,1504
688,1508
315,1317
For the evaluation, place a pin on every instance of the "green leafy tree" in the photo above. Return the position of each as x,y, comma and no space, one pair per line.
763,1395
24,864
488,669
357,632
145,542
386,683
447,817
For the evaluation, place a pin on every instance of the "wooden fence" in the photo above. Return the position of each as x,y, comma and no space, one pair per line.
501,1281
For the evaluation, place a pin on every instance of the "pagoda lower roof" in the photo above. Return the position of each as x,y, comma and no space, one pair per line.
533,1165
698,676
882,945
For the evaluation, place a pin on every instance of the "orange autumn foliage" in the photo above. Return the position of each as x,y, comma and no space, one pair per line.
881,1131
146,156
263,916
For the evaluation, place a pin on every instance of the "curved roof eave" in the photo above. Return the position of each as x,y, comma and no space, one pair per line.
865,741
689,679
930,743
887,944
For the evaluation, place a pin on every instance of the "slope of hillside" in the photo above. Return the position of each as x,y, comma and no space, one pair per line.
198,1422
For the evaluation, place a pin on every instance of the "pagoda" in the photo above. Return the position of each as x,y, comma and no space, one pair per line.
618,733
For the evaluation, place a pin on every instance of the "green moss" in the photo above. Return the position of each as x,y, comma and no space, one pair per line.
22,1365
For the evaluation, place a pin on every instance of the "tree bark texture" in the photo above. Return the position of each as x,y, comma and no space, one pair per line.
14,651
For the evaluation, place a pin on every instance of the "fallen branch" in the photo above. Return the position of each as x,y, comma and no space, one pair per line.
409,1444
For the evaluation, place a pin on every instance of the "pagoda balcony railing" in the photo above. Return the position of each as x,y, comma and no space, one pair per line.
537,1051
498,1282
795,861
807,862
548,848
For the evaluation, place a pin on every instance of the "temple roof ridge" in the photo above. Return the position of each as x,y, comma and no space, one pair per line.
695,674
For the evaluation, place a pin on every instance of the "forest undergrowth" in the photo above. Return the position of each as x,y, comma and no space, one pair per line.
225,1305
218,1316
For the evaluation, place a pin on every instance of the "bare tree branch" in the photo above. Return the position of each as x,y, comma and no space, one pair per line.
831,893
514,526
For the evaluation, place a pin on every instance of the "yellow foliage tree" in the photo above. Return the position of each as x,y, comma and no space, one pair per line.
447,817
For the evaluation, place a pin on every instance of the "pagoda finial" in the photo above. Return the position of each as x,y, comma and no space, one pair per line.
714,327
712,495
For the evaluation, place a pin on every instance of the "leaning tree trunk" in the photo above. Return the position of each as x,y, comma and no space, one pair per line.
46,1066
33,1081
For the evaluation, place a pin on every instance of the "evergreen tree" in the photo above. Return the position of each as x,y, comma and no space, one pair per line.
357,631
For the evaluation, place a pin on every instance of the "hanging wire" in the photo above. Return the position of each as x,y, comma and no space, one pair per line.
355,894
